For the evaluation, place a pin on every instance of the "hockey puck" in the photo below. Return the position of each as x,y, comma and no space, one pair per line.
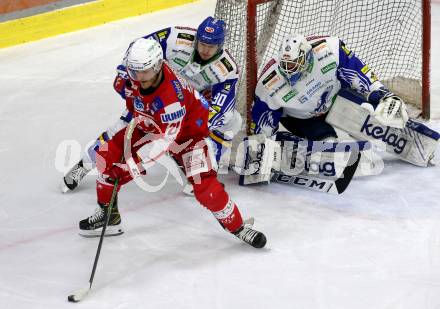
72,299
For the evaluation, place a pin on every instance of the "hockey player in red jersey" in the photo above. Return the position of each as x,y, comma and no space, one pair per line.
170,117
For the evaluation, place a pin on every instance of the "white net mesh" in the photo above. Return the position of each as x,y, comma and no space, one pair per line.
386,34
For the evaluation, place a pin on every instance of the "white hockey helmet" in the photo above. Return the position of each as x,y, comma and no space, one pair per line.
144,54
294,57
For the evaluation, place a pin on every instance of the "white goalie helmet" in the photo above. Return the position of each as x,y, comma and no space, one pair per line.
143,55
294,57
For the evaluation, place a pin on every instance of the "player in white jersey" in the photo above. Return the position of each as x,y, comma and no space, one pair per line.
199,56
299,87
317,83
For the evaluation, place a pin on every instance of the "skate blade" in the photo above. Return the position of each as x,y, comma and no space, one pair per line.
110,231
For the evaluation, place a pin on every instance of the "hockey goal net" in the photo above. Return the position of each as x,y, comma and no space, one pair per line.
391,36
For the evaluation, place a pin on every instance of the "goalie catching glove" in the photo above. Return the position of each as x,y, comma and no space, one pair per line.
391,111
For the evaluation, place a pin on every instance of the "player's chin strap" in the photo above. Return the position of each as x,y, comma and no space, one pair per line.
391,111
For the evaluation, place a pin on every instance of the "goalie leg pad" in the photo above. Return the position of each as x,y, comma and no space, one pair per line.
416,143
259,155
324,159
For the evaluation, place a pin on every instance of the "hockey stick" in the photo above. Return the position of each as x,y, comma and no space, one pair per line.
82,293
336,186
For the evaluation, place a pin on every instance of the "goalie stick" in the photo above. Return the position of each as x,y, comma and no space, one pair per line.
336,186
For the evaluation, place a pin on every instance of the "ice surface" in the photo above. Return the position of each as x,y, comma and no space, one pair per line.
376,246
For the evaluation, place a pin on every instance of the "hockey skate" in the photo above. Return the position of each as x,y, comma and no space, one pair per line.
250,236
92,226
74,177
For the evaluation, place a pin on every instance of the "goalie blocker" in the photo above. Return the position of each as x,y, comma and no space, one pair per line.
416,143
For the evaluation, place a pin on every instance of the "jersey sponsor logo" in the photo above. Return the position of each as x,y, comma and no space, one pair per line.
138,104
276,90
318,46
184,42
316,37
303,99
373,78
186,36
329,67
215,109
222,68
269,77
370,74
227,64
273,81
314,89
157,104
173,113
384,135
326,55
227,87
310,81
180,51
180,62
161,35
205,77
365,69
186,28
204,102
345,49
178,89
267,66
292,93
215,74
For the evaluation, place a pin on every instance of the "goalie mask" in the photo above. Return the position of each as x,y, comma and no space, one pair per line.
144,59
294,57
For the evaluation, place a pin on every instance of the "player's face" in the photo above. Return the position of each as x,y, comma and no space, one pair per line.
293,66
206,51
146,78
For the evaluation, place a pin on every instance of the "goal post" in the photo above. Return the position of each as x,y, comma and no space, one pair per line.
391,36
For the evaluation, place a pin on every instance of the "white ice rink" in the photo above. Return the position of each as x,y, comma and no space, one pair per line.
377,246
